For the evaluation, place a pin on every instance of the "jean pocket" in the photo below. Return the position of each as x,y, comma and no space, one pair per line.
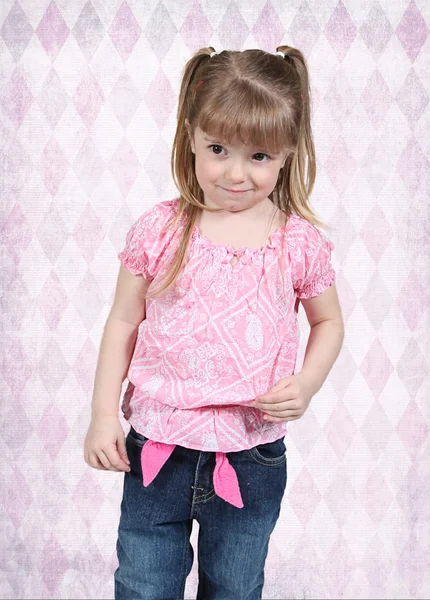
270,454
136,437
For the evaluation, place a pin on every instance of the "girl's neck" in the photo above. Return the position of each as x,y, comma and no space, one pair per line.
256,214
237,230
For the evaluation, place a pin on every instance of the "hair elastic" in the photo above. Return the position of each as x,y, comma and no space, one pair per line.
211,54
284,55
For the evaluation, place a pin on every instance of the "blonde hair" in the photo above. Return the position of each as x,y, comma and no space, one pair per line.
254,97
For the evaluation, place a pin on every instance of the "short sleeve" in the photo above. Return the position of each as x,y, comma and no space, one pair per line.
312,271
144,241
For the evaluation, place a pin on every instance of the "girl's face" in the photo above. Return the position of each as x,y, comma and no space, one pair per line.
221,170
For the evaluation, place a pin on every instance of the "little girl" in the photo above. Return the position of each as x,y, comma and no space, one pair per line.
204,326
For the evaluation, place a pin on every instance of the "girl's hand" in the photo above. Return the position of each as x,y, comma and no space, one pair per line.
288,400
104,446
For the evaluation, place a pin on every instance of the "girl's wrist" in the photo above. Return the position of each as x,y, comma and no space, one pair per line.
100,414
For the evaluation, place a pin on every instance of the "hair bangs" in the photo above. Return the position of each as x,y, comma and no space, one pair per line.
248,120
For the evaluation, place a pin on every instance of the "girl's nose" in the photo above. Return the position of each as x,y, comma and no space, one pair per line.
236,174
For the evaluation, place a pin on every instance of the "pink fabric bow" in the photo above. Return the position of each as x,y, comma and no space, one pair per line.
226,485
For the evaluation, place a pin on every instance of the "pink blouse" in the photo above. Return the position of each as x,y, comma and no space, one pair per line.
220,337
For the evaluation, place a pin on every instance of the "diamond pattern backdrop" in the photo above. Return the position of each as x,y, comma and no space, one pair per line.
88,97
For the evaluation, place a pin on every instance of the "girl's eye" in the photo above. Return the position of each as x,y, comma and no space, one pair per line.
262,154
256,154
215,146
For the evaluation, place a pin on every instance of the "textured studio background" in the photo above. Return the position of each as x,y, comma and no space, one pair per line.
88,98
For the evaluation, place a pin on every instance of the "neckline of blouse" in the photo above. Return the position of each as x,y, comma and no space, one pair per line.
272,241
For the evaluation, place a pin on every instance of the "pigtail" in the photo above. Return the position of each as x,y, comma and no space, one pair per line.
297,178
182,168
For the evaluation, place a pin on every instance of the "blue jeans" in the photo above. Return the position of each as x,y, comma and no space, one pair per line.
154,551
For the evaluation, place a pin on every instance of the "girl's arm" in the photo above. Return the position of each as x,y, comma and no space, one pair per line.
116,350
118,342
326,337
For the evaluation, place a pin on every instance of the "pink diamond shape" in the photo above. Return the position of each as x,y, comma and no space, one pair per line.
340,31
196,29
376,233
88,497
160,98
376,367
16,98
52,428
15,496
52,234
376,430
376,98
52,370
340,165
340,567
268,28
83,368
53,563
88,233
376,300
412,166
412,367
52,300
124,31
15,230
413,300
53,166
88,99
98,567
340,504
88,165
304,496
52,30
412,561
412,429
124,99
340,430
412,31
124,166
17,365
